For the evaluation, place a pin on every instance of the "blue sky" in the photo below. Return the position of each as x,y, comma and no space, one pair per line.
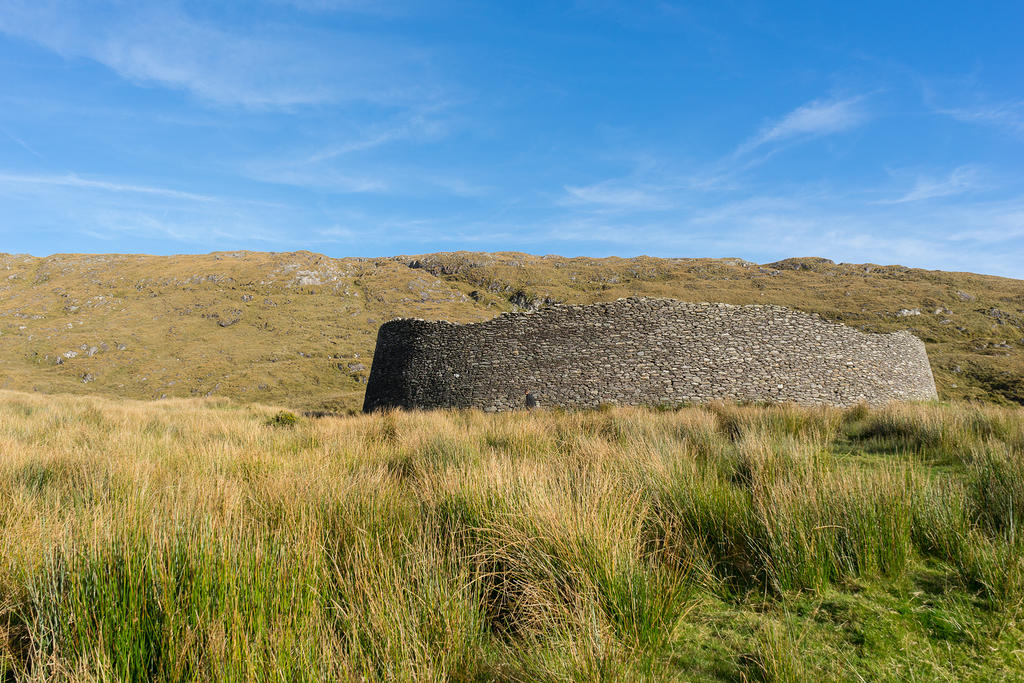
869,131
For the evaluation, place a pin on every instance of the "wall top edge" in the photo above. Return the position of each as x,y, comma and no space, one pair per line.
695,305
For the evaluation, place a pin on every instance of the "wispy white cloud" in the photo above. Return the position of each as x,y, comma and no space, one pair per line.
650,188
336,234
980,237
72,180
820,117
381,181
457,186
345,164
161,44
329,168
111,224
990,224
967,178
721,208
425,123
71,207
1008,116
618,195
378,7
21,143
811,219
371,140
316,178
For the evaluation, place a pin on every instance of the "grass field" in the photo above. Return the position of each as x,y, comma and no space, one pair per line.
205,539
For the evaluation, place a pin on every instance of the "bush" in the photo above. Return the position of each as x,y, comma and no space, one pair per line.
283,419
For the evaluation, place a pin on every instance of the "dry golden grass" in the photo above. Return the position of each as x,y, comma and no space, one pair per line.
205,539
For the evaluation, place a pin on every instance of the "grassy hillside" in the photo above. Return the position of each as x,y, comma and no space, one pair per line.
204,539
299,328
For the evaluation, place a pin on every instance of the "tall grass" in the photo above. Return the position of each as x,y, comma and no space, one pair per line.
196,540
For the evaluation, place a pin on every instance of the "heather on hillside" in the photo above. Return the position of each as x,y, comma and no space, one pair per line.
207,539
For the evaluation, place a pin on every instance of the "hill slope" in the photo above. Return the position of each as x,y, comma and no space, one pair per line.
299,328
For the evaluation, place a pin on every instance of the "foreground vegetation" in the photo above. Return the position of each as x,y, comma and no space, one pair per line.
204,539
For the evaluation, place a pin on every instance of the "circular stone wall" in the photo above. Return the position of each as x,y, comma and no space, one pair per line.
643,352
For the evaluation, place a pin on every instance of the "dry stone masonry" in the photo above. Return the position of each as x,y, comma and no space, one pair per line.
643,351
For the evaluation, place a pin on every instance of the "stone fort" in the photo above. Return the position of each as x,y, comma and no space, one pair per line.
643,351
